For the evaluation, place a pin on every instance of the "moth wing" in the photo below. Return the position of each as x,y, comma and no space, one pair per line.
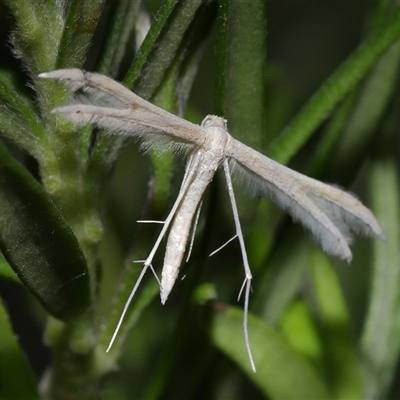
101,101
329,212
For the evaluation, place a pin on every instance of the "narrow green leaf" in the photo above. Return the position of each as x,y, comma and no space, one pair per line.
330,138
19,123
149,42
334,89
81,21
16,377
125,16
281,282
381,336
374,98
281,372
343,368
161,45
38,244
299,328
191,51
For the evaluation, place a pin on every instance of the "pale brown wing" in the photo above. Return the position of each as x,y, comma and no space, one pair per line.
101,101
329,212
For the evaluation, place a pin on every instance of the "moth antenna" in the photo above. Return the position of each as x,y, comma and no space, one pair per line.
195,223
247,271
221,247
185,176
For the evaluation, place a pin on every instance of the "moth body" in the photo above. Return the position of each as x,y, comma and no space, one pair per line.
200,171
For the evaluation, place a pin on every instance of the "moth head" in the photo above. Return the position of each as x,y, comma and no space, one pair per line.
214,120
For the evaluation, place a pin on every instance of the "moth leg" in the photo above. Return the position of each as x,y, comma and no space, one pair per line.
148,262
248,277
151,268
127,304
189,173
221,247
149,221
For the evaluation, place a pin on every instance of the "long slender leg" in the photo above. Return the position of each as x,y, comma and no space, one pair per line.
126,306
247,280
191,167
221,247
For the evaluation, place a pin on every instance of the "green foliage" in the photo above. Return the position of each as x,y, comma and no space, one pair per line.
69,201
29,222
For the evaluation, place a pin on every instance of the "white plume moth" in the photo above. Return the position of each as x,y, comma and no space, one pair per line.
329,213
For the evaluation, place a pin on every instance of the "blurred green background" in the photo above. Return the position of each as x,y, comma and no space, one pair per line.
330,314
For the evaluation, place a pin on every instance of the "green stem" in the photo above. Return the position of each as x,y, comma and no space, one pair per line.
241,57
